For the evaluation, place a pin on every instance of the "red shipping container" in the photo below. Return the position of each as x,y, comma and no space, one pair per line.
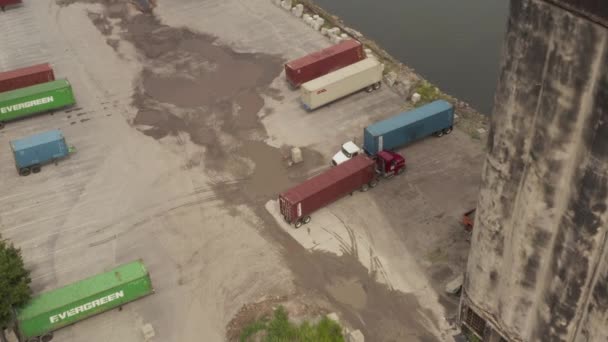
323,62
8,2
26,77
297,203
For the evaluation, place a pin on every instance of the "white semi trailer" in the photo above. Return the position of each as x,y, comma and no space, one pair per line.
366,74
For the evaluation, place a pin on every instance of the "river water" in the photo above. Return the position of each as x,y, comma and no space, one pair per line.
455,44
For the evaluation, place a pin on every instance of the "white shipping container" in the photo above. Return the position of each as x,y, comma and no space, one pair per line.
342,82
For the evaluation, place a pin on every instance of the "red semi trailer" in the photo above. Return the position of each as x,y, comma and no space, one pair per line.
4,3
323,62
360,172
26,77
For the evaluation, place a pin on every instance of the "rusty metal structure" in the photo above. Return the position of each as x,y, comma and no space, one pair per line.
538,267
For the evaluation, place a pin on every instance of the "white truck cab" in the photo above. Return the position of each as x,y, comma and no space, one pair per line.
349,149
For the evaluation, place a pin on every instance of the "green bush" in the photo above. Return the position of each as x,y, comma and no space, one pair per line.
279,329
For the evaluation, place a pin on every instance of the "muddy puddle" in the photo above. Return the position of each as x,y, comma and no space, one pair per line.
381,313
269,175
191,84
349,292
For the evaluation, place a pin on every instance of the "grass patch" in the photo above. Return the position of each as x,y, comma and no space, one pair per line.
428,93
279,329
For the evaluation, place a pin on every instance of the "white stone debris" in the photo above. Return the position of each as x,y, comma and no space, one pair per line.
296,155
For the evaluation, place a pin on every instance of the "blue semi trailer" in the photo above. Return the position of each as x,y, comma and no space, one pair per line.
434,118
32,152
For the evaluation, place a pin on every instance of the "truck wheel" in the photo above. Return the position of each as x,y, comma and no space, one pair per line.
401,170
369,89
448,130
36,169
24,171
439,134
377,85
373,183
307,220
298,224
46,337
364,188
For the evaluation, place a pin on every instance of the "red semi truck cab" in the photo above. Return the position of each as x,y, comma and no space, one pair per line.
389,163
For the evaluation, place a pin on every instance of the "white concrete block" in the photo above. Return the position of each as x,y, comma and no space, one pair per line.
307,19
148,331
355,336
334,31
297,10
455,285
334,317
286,4
296,155
416,98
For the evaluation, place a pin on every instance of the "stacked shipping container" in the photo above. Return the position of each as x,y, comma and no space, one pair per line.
35,99
322,62
25,77
332,73
4,3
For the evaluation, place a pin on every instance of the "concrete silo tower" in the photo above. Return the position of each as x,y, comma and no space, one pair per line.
538,267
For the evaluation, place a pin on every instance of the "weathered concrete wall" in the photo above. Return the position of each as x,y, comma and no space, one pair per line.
538,269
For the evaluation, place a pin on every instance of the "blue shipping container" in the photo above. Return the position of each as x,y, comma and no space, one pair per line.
38,149
406,127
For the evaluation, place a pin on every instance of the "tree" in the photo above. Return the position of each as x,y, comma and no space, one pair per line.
14,284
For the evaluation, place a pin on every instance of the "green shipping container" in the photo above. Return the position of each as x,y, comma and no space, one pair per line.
35,99
56,309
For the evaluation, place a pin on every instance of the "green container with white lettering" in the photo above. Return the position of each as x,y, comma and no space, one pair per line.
39,98
67,305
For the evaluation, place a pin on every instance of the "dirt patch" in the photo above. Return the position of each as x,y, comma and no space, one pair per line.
349,292
192,85
442,273
269,175
382,314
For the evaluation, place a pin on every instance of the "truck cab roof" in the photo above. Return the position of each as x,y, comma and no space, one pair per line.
350,147
348,150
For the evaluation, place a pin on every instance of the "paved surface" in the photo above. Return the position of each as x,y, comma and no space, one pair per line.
183,182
